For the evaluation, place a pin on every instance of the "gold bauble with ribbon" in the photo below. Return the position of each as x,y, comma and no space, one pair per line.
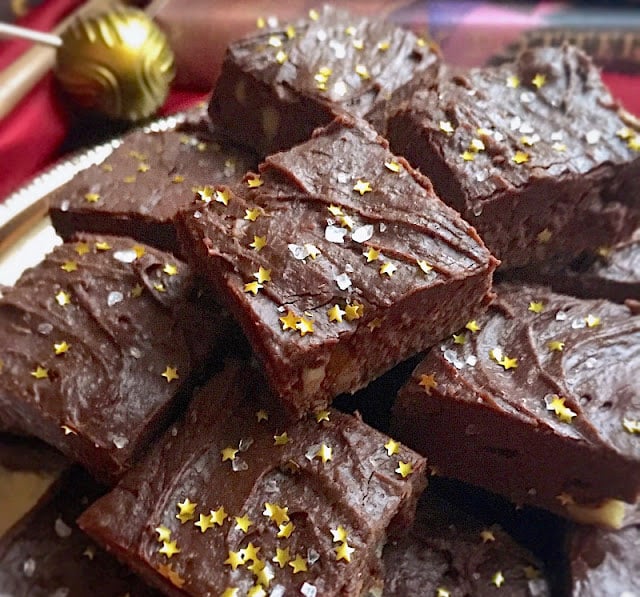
118,63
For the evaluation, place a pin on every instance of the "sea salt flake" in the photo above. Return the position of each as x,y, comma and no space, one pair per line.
125,256
62,529
308,590
515,123
343,281
526,97
29,567
593,136
526,129
312,556
362,233
557,136
119,441
238,464
245,443
335,234
561,316
578,324
472,360
299,252
114,298
45,329
383,226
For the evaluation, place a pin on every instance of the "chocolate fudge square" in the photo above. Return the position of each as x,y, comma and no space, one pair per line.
278,85
45,554
535,154
101,343
449,552
536,400
600,559
339,261
608,272
138,189
236,497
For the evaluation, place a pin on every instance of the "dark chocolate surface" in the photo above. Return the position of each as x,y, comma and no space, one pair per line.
603,561
46,555
140,187
277,85
540,404
448,552
535,154
349,282
311,490
100,344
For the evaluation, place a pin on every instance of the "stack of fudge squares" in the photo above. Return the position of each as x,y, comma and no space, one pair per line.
350,219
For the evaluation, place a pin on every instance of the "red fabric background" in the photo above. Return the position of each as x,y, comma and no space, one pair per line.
30,137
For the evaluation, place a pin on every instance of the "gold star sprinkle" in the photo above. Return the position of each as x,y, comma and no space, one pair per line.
170,373
358,44
634,143
107,167
362,187
372,254
262,275
63,298
103,246
253,287
384,45
592,321
61,347
159,286
186,510
313,14
289,321
257,590
81,249
520,157
508,363
218,516
631,426
555,346
322,415
89,552
252,214
446,127
168,572
325,453
228,453
335,210
281,440
139,250
290,31
564,413
40,372
255,182
276,513
274,41
528,141
539,80
164,534
129,179
428,382
304,326
169,548
392,447
170,269
497,579
339,535
262,415
285,530
476,145
536,307
204,193
142,167
282,557
250,553
363,72
404,469
92,197
204,523
299,564
459,338
472,326
136,291
353,311
393,166
544,236
468,156
344,552
513,82
234,559
442,592
424,266
243,523
223,196
67,430
69,266
177,179
565,499
259,242
487,536
335,313
387,268
560,147
625,133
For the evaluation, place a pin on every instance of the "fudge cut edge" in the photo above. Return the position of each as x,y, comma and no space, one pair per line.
310,376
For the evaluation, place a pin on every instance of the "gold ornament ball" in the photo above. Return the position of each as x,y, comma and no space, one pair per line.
119,63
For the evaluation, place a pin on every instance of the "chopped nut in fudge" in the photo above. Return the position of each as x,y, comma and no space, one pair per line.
535,154
339,261
278,85
238,499
101,343
537,400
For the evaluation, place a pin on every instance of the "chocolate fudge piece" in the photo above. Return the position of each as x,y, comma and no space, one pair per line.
535,154
537,400
600,559
449,552
46,555
139,188
101,343
339,261
278,85
609,272
237,497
